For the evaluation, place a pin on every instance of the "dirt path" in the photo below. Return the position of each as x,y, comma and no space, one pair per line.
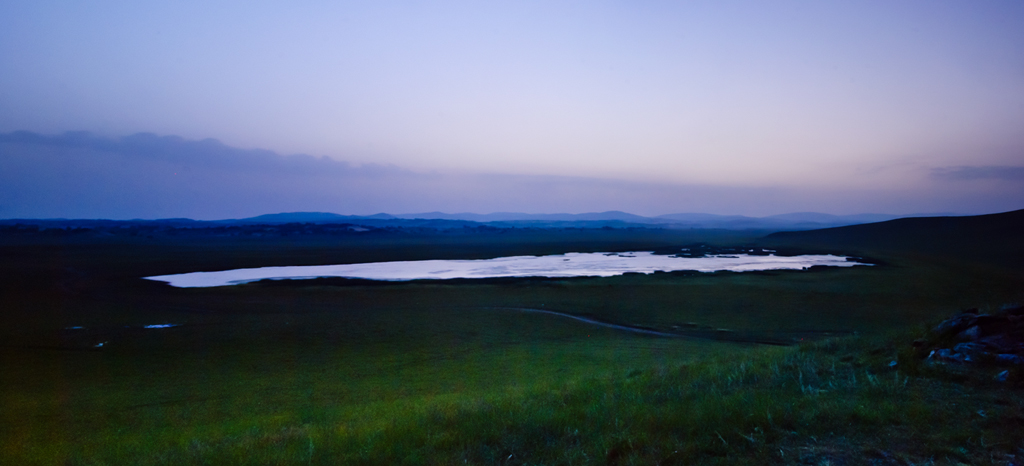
698,334
596,322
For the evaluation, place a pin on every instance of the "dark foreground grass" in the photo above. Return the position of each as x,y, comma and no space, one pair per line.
139,399
831,402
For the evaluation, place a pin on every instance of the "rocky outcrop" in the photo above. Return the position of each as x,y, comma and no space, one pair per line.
973,338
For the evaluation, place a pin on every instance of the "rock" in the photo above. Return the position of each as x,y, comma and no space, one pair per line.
956,324
1010,359
1016,311
1002,343
970,349
948,355
994,324
971,334
977,338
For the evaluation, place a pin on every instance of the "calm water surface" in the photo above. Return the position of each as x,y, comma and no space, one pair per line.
561,265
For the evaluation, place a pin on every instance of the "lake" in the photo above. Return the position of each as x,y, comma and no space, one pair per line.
561,265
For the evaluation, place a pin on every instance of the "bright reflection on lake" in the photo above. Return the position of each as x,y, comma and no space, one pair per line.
562,265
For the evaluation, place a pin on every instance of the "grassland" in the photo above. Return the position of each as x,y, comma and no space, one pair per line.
324,372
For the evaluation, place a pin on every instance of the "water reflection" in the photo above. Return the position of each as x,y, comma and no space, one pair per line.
561,265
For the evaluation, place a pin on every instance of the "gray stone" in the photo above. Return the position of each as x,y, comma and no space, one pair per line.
1002,343
970,348
956,324
1010,359
946,354
971,334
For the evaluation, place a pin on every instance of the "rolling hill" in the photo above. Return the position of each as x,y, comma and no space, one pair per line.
997,238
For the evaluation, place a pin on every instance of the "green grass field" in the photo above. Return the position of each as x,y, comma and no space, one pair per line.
321,372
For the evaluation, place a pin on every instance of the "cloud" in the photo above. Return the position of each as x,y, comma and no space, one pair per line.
991,172
205,154
80,175
147,176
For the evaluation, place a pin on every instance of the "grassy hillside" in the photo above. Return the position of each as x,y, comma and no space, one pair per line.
329,372
991,239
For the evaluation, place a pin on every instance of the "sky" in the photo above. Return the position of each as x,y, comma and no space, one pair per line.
221,109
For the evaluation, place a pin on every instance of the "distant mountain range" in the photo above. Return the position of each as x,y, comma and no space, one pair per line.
792,221
440,220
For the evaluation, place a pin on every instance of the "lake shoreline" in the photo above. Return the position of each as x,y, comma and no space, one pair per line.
569,265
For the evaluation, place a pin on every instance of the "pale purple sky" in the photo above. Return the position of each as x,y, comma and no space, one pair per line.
753,108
